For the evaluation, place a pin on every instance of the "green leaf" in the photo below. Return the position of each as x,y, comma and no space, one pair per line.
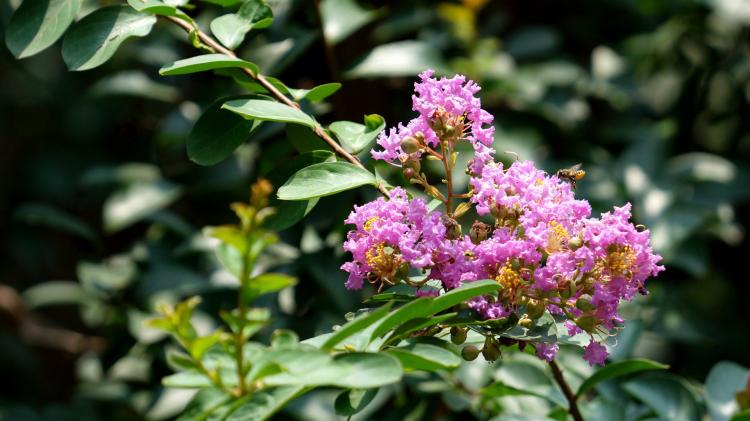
350,402
527,373
304,140
268,110
425,356
618,369
158,8
94,39
357,324
317,93
724,381
230,29
666,395
267,283
423,307
137,201
109,276
288,212
204,63
341,18
38,214
217,134
55,293
263,404
324,179
37,24
356,370
356,137
404,58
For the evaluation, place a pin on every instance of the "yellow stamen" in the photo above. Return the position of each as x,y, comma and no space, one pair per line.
508,277
369,222
558,236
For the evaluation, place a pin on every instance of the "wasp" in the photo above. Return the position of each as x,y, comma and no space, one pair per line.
572,174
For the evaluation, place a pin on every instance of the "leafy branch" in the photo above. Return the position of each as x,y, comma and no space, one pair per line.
263,81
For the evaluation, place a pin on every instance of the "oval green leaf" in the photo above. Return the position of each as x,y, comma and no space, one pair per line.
323,180
620,368
230,29
217,133
37,24
205,63
95,38
356,137
268,110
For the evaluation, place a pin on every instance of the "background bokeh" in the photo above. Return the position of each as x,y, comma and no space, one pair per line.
101,211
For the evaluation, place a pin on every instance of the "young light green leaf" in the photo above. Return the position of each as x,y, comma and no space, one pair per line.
617,369
356,137
323,180
357,324
217,133
230,29
37,24
268,110
267,283
95,38
204,63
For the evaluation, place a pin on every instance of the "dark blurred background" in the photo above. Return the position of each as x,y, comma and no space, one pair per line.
101,211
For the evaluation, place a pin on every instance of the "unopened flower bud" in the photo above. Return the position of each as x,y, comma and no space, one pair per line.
479,232
583,303
575,243
409,173
458,335
409,144
490,351
586,323
521,345
515,264
470,353
452,228
534,309
499,212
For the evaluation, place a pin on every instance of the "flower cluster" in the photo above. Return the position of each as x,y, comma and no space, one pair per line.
537,240
448,111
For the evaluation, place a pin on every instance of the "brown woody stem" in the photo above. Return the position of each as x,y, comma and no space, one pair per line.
569,395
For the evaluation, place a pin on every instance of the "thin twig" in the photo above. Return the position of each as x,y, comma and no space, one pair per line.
318,130
569,395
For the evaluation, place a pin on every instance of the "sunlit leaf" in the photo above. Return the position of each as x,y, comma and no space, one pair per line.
37,24
94,39
324,179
